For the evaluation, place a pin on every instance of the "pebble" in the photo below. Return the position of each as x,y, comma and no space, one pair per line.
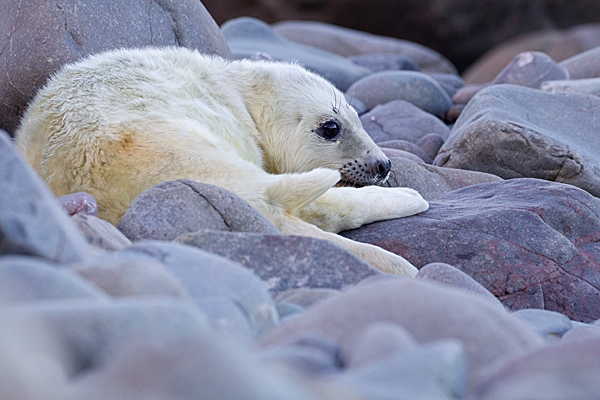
548,324
407,147
531,69
583,65
385,62
79,203
431,144
583,86
99,233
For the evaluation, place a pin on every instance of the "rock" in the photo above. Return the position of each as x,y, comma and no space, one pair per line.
583,86
415,87
515,132
90,332
487,333
100,233
30,279
451,83
79,203
350,42
235,300
530,69
31,221
285,262
581,333
466,93
532,243
247,36
123,275
401,120
284,310
395,153
432,371
431,181
583,65
448,275
563,371
306,297
548,324
39,37
431,144
407,147
172,208
385,62
358,105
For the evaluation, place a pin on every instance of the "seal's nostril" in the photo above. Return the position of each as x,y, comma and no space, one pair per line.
383,168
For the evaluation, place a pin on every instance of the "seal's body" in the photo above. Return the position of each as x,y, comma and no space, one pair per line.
117,123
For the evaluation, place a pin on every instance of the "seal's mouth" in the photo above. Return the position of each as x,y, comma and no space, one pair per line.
357,174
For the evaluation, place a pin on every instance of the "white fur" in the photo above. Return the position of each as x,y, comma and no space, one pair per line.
117,123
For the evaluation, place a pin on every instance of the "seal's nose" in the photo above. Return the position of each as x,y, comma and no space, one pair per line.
383,168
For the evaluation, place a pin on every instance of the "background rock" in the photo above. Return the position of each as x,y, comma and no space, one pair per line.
100,233
531,69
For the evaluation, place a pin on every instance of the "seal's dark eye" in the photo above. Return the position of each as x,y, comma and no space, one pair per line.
329,130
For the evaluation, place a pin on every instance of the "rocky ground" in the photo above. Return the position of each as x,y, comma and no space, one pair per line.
196,295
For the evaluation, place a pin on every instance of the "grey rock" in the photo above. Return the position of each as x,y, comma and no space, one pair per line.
407,147
432,371
100,233
451,83
466,93
401,120
284,261
358,105
385,62
247,36
79,203
431,144
212,282
172,208
394,153
431,181
31,221
40,36
306,297
582,332
350,42
548,324
30,279
583,86
515,132
285,310
415,87
487,332
530,69
583,65
446,274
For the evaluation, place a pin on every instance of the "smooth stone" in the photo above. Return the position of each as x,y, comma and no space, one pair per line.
385,62
532,243
488,333
39,37
407,147
350,42
415,87
583,65
31,221
306,297
246,36
100,233
467,92
401,120
377,342
451,276
123,275
90,332
581,333
514,132
284,261
393,153
215,283
563,371
80,203
530,69
285,310
431,181
431,144
29,279
583,86
451,83
437,370
548,324
172,208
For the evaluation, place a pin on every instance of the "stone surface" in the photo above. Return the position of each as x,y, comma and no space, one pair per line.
451,83
548,324
385,62
583,65
532,243
401,120
466,93
38,37
530,69
394,153
415,87
285,262
583,86
172,208
248,36
407,147
235,300
431,181
100,233
431,144
487,333
306,297
31,221
30,279
79,203
350,42
515,132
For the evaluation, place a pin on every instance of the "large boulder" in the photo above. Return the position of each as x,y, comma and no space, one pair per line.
532,243
40,36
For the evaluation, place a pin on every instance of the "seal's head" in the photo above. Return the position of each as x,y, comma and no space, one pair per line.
308,124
